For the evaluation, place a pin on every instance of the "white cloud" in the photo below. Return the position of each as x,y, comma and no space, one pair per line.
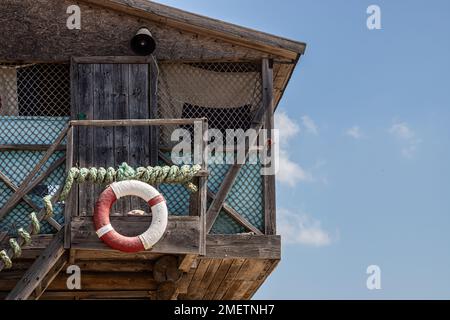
402,131
407,137
301,229
310,125
289,173
287,128
354,132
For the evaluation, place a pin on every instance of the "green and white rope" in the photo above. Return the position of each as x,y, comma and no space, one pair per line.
15,247
6,260
151,175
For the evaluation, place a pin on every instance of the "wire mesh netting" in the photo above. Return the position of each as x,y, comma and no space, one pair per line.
34,108
227,94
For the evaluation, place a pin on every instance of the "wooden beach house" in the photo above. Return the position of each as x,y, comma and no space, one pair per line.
75,94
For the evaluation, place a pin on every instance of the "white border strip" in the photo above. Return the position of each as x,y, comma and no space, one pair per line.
104,230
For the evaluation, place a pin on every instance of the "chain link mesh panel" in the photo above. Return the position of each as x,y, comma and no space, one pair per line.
228,95
34,108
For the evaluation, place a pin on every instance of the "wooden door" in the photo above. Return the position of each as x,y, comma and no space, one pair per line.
103,91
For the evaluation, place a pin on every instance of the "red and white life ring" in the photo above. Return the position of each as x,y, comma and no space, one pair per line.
112,238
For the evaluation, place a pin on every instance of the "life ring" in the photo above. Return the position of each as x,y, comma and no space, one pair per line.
115,240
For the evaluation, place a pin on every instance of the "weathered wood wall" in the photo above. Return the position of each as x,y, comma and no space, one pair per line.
36,30
106,92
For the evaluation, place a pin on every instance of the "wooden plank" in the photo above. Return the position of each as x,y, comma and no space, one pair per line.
233,172
120,108
251,270
243,246
84,144
238,290
181,237
40,268
237,217
203,190
221,273
69,203
29,147
50,276
186,262
113,60
207,278
269,180
139,108
116,266
185,281
73,209
134,122
96,281
83,255
198,276
229,278
270,266
101,295
103,142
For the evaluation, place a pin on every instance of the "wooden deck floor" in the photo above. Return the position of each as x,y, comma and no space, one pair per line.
114,275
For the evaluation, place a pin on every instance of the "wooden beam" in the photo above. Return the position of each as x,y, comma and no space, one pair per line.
40,268
181,236
134,122
243,246
29,147
257,123
115,266
69,204
103,295
113,60
51,275
186,262
203,189
236,216
269,180
108,281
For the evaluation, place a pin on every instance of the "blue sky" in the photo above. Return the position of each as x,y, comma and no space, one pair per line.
367,117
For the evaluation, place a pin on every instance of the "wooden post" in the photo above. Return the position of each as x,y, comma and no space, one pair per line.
269,180
69,202
203,190
257,123
40,269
